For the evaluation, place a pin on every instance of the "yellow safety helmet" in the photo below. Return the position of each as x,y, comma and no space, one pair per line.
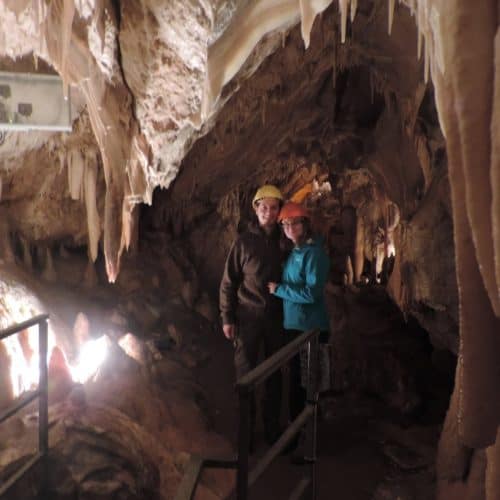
267,191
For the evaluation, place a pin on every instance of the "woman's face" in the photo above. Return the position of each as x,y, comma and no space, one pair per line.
294,229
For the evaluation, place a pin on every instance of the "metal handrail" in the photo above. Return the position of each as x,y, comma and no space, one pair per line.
245,386
193,470
274,362
43,405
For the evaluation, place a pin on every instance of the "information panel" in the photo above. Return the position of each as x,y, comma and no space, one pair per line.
31,101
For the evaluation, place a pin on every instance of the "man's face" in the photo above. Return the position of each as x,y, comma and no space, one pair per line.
267,211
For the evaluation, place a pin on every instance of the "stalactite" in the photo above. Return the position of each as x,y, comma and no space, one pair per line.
112,229
62,162
426,61
135,171
495,164
127,222
93,221
372,88
477,386
262,114
474,114
420,38
354,8
391,6
230,51
343,4
309,9
76,167
67,24
130,226
93,96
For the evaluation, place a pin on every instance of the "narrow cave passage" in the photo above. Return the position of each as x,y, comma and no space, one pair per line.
339,153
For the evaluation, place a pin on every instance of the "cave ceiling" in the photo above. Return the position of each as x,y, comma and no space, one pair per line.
148,79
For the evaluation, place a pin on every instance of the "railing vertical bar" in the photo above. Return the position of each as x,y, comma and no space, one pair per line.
43,408
312,397
243,445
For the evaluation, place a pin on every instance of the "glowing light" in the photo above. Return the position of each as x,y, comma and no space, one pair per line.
92,355
24,360
22,350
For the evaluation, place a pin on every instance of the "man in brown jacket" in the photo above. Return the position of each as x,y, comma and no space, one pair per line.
251,316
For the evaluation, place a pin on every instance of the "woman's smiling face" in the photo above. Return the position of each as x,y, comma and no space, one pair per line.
294,229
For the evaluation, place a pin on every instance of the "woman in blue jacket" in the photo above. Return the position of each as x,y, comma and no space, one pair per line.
302,290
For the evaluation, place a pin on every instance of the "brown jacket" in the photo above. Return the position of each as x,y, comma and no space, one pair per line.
254,259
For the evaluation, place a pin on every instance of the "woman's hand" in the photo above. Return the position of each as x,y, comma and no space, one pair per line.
272,286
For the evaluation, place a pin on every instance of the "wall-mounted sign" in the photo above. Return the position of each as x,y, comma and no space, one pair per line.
31,101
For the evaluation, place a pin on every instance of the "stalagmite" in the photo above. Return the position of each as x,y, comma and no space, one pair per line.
93,221
49,273
27,260
60,381
63,253
6,251
6,392
492,485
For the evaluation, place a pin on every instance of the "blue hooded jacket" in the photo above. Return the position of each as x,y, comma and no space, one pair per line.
302,287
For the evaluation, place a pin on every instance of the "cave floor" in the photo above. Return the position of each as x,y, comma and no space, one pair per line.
366,450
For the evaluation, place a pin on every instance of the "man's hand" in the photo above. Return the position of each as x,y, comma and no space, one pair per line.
229,331
272,286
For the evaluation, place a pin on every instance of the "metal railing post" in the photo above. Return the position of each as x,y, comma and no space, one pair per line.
43,406
312,398
243,444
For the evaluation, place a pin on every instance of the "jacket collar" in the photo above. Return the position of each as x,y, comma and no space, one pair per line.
255,228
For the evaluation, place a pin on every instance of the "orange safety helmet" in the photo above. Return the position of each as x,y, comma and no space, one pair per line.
292,209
